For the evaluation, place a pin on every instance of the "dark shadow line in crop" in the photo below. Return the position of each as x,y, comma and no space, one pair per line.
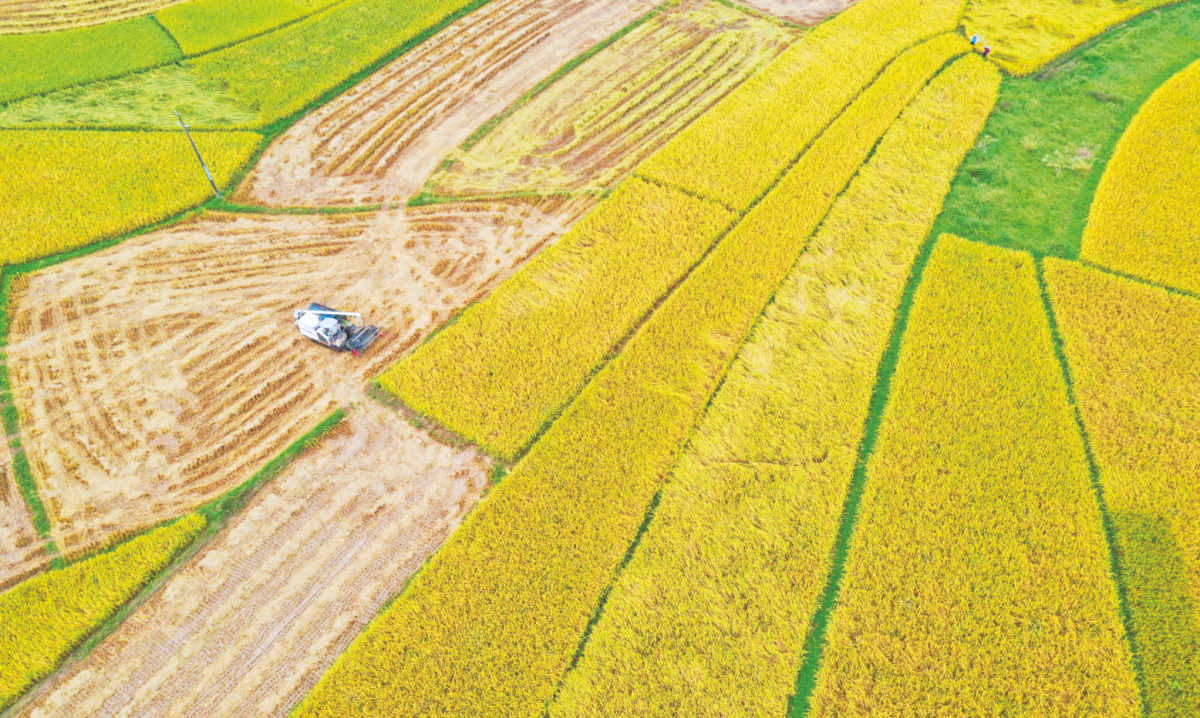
752,12
1140,280
723,376
1112,548
814,644
739,216
217,513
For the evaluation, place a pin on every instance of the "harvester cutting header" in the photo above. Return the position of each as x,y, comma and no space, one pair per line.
334,329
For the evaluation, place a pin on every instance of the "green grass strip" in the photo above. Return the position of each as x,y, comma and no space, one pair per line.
1110,529
44,618
1007,193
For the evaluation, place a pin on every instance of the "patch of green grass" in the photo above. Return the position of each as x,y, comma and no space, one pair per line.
1029,182
143,99
34,64
282,72
203,25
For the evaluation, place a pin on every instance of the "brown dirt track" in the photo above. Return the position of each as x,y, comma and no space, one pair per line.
805,12
379,141
157,374
249,625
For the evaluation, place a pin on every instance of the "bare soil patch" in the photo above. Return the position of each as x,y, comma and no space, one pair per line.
379,141
153,376
251,623
805,12
592,127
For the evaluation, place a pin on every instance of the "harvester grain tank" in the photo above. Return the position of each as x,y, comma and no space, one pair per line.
331,328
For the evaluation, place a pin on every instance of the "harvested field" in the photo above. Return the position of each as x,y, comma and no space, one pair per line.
380,140
249,624
20,548
157,374
594,126
805,12
18,16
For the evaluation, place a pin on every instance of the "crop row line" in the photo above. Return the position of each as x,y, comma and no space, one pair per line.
1116,569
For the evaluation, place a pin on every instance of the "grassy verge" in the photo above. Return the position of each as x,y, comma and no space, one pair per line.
999,597
750,494
1029,182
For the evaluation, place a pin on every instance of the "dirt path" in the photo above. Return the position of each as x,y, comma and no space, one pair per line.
379,141
805,12
157,374
252,622
591,128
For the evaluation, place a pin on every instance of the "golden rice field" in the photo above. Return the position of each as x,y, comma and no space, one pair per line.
1146,217
689,398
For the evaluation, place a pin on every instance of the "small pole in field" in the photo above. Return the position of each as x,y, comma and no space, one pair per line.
197,151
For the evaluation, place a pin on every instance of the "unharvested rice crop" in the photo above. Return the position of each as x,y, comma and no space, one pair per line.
512,361
1134,355
34,64
202,25
44,618
381,140
159,373
710,616
592,127
28,16
250,623
733,153
978,576
1027,34
492,622
505,369
1145,219
283,72
75,188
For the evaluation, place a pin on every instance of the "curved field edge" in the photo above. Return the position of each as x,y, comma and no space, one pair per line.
1029,183
47,616
1027,35
1128,349
213,518
981,465
562,521
1145,219
506,410
771,446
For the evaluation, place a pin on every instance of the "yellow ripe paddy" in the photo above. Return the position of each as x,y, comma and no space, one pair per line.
44,618
978,575
78,187
1134,354
1145,220
693,396
710,616
733,153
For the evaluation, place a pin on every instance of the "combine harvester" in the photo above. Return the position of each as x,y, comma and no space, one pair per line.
334,329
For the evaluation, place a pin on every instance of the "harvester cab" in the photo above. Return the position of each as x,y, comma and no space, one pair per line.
334,329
